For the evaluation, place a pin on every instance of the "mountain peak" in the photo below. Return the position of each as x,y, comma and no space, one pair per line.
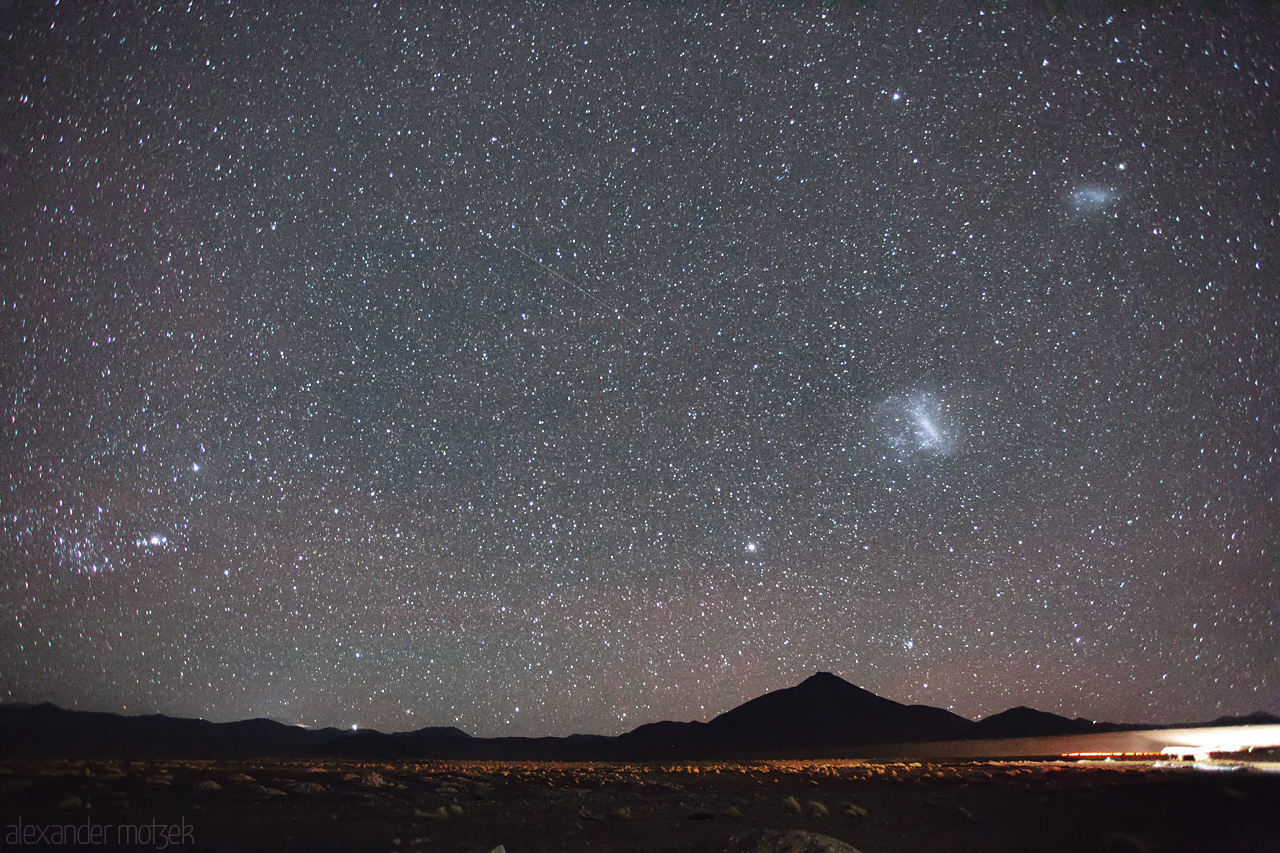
824,712
826,683
821,677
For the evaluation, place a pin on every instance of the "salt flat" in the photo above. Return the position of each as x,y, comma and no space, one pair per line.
701,806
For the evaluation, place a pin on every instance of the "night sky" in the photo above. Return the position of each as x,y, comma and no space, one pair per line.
551,369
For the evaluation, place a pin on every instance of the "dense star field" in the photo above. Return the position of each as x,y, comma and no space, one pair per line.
543,369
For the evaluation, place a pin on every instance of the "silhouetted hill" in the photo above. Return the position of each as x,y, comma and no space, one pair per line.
667,740
825,712
823,716
49,730
439,731
1028,722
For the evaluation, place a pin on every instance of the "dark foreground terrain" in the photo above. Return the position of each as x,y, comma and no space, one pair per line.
477,806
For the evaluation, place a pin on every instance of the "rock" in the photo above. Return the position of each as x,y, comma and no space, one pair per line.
587,814
795,841
310,788
792,805
455,809
498,849
850,810
207,786
966,814
241,777
817,810
264,791
733,812
1122,842
71,801
439,814
623,813
372,779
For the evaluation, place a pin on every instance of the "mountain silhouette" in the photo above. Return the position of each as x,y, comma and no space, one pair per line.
826,711
1028,722
823,716
46,729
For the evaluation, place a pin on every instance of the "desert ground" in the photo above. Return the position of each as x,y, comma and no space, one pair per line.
875,807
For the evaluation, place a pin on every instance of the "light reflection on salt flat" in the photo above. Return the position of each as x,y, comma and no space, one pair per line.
1202,742
1146,743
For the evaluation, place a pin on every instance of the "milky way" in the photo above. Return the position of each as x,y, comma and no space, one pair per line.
392,368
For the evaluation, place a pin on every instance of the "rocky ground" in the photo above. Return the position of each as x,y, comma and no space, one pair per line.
740,807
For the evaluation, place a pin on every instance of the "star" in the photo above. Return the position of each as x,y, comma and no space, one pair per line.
516,361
